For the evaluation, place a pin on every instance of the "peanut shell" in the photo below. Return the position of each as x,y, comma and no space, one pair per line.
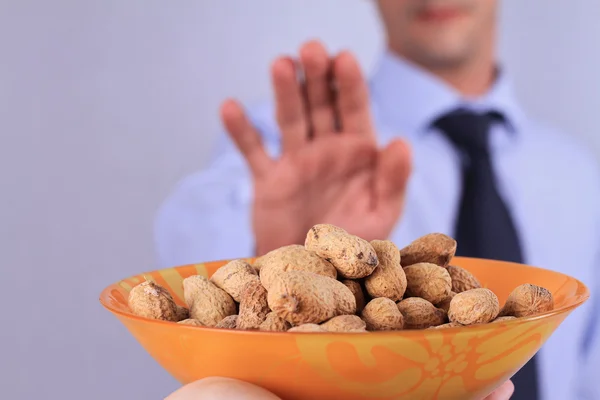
434,248
275,324
445,304
208,304
358,292
229,322
232,277
301,297
420,314
382,314
150,300
182,313
475,306
388,279
345,323
190,321
462,280
526,300
253,305
428,281
503,319
352,256
307,328
447,325
291,258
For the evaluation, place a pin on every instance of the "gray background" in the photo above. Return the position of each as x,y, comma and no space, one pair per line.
104,105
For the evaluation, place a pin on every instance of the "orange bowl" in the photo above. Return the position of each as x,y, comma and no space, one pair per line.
454,363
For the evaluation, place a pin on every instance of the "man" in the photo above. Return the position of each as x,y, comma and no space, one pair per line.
457,154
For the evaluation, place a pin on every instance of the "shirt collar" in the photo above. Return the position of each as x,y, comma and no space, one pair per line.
410,98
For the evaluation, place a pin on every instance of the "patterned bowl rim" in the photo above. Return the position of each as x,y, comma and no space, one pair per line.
580,299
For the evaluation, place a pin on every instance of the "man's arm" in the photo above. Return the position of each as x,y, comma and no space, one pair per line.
208,214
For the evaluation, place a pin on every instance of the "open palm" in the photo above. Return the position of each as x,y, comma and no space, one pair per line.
330,169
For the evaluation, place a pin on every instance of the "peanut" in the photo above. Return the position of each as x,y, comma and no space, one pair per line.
503,319
307,328
447,325
462,280
295,288
428,281
358,292
273,323
229,322
475,306
182,313
420,314
190,321
150,300
445,304
301,297
345,323
232,277
208,304
434,248
388,279
353,257
382,314
526,300
253,305
291,258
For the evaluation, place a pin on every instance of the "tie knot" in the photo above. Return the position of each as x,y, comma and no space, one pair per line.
467,130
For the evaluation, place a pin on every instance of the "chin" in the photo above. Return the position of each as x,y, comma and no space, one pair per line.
439,54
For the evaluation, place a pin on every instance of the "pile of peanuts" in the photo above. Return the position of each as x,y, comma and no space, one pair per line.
338,282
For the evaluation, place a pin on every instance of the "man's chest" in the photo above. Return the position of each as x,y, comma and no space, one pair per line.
554,222
553,214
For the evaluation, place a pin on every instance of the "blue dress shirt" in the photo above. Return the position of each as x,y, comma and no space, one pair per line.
551,183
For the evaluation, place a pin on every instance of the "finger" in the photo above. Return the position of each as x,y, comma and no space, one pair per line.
216,388
352,96
246,138
504,392
317,68
289,104
334,157
393,171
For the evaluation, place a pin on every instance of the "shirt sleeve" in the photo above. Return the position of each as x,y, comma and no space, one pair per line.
208,214
589,388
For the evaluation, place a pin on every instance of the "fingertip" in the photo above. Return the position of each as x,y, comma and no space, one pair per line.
401,151
229,108
400,145
283,69
346,65
510,388
217,388
504,392
314,56
404,147
232,114
507,389
312,47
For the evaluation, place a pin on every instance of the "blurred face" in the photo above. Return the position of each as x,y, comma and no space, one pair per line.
440,33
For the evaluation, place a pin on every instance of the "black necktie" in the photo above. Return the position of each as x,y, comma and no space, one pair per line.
484,226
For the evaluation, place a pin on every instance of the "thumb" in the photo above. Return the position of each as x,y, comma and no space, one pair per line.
217,388
504,392
394,166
